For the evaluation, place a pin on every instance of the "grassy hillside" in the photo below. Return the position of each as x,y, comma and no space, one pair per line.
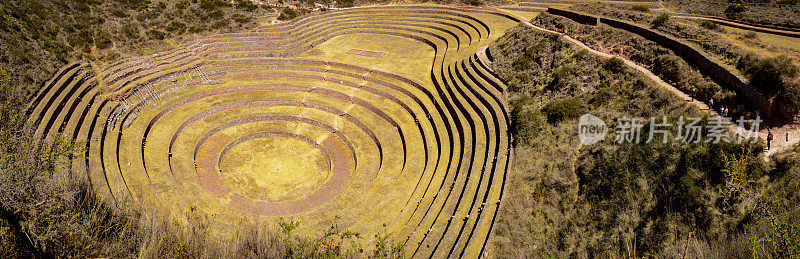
626,199
770,69
774,12
41,214
40,36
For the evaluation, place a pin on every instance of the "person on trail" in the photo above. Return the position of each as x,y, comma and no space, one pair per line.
769,138
565,31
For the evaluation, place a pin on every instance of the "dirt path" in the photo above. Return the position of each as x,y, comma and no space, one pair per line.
784,136
630,63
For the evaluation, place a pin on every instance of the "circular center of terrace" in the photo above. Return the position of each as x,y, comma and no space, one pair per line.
275,169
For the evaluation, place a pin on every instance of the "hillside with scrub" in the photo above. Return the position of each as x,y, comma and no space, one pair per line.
631,200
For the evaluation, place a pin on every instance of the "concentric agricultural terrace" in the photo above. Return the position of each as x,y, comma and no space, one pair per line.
379,115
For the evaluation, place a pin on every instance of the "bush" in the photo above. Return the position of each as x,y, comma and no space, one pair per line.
246,5
750,35
156,34
792,95
103,41
220,24
563,109
614,65
526,124
182,5
345,3
288,14
210,5
473,2
641,8
670,68
710,25
771,75
216,14
734,11
660,20
176,27
135,4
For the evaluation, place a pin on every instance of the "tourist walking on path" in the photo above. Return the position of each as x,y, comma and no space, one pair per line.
769,138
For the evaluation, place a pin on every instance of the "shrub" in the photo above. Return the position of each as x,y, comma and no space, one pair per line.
242,19
670,68
345,3
660,20
710,25
734,11
210,5
130,31
526,124
246,5
750,35
135,4
156,34
220,24
216,14
473,2
614,65
772,75
182,5
601,98
792,95
103,41
563,109
176,27
640,8
288,14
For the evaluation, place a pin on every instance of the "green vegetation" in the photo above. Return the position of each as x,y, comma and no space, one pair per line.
734,11
662,61
291,13
640,8
774,76
660,20
773,12
40,36
560,110
775,79
710,25
629,200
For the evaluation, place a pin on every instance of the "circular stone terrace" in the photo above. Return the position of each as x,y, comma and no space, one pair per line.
384,117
